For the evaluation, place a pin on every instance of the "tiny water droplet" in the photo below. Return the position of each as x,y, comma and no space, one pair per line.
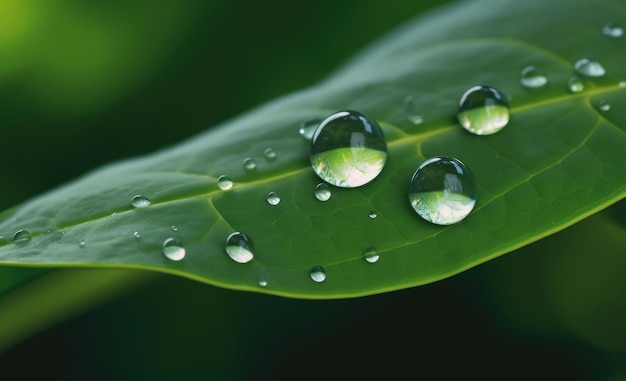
173,249
612,29
589,68
249,164
348,149
308,127
371,255
140,201
137,235
239,247
224,182
322,192
533,77
273,198
262,282
483,110
373,214
82,243
604,105
442,190
411,111
174,228
318,274
269,154
575,84
21,237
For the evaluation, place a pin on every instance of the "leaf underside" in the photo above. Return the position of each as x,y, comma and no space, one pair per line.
556,162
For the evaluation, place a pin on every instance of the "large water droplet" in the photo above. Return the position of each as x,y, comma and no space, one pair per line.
411,111
575,84
483,110
612,29
269,154
442,190
322,192
273,198
21,237
604,105
249,164
371,255
173,249
308,127
533,77
224,182
239,247
140,201
348,149
589,68
318,274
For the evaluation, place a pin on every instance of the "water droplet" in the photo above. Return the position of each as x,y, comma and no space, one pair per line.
622,84
373,214
612,29
21,237
82,243
140,201
308,127
533,77
412,114
322,192
173,249
348,149
575,84
604,105
137,235
318,274
371,255
262,282
483,110
239,247
273,198
224,182
589,68
442,190
269,154
249,164
174,228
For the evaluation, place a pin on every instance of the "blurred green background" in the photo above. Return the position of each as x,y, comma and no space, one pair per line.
85,83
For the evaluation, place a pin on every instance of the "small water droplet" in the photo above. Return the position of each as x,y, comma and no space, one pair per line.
82,243
273,198
262,282
371,255
137,235
622,84
269,154
612,29
22,237
322,192
224,182
575,84
411,111
442,190
604,105
249,164
174,228
483,110
533,77
589,68
348,149
318,274
239,247
173,249
140,201
373,214
308,127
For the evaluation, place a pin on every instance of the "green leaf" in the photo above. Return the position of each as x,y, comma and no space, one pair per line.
556,162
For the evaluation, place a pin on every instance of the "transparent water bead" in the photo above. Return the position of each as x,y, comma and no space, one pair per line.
21,237
273,198
249,164
322,192
82,243
269,154
533,77
442,190
308,127
371,255
140,201
318,274
262,282
612,29
239,247
174,228
622,84
373,214
589,68
137,235
224,182
173,249
348,149
411,111
483,110
604,105
575,84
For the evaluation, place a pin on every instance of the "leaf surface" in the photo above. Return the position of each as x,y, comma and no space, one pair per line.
557,161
